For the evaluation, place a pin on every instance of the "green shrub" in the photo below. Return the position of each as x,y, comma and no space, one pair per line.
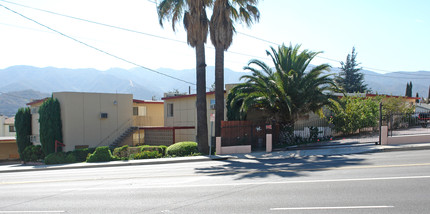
121,152
147,155
101,154
60,158
161,149
32,153
182,149
82,154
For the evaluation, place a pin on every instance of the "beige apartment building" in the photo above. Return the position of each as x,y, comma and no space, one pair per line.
89,119
148,113
8,147
180,112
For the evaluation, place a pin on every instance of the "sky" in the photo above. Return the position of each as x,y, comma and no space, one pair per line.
388,35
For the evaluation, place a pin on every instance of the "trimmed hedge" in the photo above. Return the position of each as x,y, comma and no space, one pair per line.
60,158
161,149
102,154
32,153
147,155
122,152
181,149
82,154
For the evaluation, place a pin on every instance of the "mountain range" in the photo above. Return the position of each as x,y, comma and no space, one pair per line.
33,83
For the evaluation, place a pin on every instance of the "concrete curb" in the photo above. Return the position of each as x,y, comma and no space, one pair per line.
291,153
115,164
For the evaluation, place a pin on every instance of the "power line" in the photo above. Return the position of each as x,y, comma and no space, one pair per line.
97,49
121,28
175,40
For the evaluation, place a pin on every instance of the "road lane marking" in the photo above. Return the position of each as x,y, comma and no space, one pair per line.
164,186
40,211
330,208
217,173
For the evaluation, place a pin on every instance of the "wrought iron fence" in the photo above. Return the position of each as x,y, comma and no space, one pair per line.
407,123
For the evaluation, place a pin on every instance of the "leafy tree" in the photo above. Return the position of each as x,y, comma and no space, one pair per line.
50,125
225,13
286,92
396,105
350,79
196,23
23,129
352,113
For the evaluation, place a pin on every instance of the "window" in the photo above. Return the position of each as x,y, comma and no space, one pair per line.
103,115
142,111
11,128
212,106
170,110
135,111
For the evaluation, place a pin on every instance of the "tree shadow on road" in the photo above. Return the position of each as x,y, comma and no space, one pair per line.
285,167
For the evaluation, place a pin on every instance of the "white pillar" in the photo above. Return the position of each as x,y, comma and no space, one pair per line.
268,142
218,146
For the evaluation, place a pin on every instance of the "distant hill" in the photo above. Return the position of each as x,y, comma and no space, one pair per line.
12,101
144,84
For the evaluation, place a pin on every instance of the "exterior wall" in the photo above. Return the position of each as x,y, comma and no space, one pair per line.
4,126
154,114
81,121
185,114
35,126
8,150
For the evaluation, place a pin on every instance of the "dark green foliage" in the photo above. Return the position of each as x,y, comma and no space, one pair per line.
147,155
408,89
60,158
50,125
32,153
350,79
286,92
161,149
82,154
182,149
23,129
122,152
102,154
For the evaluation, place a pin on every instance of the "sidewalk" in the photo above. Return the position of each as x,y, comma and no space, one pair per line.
301,151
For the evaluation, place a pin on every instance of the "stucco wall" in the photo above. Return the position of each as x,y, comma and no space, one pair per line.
80,115
8,151
185,114
154,114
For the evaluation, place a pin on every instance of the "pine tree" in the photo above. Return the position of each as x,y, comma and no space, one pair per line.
50,125
408,87
350,79
23,129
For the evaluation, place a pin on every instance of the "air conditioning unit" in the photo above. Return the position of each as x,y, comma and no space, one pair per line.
33,138
103,115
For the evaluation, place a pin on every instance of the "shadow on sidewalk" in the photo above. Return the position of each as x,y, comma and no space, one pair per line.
290,167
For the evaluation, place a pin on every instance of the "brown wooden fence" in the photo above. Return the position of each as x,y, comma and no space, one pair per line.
235,133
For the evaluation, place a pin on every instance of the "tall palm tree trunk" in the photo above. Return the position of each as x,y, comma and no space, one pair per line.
202,126
219,89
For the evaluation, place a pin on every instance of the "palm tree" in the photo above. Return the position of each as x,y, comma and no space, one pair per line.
225,12
286,92
196,24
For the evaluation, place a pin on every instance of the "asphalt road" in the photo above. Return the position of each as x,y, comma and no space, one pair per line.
390,182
